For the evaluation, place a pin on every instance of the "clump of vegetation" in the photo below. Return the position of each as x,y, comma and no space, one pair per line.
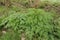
25,20
34,24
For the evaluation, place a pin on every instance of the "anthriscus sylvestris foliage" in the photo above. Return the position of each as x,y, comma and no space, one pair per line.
35,24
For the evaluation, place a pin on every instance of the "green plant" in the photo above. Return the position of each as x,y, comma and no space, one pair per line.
35,24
